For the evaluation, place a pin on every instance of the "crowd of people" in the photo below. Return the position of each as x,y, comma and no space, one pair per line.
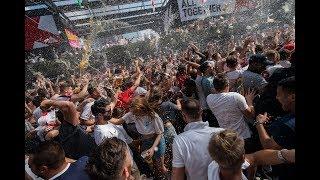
198,114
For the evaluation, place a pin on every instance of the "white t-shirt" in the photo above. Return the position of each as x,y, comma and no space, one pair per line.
214,171
228,107
86,112
232,75
49,118
271,69
190,151
145,125
285,64
43,122
108,131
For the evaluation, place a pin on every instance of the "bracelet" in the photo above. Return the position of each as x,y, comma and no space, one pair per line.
257,122
281,157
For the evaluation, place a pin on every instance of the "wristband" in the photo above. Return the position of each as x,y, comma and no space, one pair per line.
257,122
281,157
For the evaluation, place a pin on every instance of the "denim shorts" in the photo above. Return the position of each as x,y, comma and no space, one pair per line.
147,144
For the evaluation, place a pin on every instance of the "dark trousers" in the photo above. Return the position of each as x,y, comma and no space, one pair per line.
142,165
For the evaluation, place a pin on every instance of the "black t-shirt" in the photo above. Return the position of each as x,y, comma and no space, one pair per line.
282,131
281,73
75,141
76,170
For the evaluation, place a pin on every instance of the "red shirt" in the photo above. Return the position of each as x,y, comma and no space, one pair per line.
124,98
181,79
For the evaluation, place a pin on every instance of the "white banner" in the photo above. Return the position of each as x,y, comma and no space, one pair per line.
195,9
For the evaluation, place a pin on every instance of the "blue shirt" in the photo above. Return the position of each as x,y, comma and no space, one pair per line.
76,170
207,85
282,131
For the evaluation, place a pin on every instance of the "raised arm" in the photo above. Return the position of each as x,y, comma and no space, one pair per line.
57,80
193,64
196,50
68,109
29,111
266,141
51,91
82,94
136,82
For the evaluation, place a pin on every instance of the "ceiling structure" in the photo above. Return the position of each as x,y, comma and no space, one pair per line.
133,14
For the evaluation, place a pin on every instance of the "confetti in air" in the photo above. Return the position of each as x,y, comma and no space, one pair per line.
286,8
269,20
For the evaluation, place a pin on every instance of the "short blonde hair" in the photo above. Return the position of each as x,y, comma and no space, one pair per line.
227,149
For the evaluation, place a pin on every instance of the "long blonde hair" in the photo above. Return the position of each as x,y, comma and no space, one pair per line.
155,100
141,107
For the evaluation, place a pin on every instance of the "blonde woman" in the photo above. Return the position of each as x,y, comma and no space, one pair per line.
150,126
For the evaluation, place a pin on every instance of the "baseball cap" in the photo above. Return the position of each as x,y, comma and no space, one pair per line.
259,58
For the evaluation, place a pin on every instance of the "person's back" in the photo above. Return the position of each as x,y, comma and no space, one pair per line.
191,145
190,158
234,75
253,80
228,107
76,170
252,77
75,141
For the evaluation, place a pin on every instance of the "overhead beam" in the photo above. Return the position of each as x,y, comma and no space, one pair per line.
53,7
127,29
